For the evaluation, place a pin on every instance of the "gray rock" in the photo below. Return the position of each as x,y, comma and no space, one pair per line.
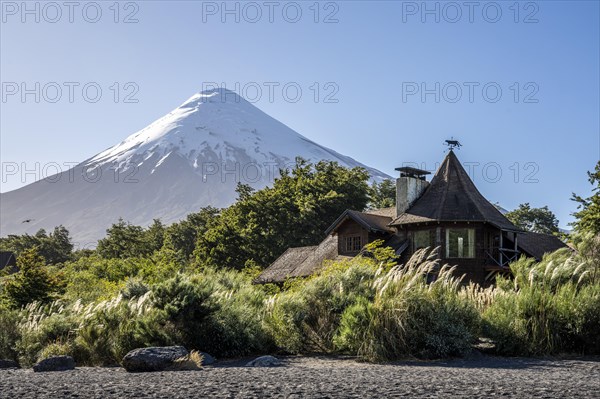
8,364
207,359
153,359
485,346
55,363
264,361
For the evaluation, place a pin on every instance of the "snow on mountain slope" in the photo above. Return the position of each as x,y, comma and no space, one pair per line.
217,128
192,157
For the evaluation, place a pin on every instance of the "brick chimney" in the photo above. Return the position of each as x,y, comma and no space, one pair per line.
409,187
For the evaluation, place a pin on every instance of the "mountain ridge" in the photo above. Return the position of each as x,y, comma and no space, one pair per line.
191,157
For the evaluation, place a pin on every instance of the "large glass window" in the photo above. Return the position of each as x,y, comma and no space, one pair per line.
460,243
353,244
421,239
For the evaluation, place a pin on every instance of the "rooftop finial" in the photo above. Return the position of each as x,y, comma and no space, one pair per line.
453,143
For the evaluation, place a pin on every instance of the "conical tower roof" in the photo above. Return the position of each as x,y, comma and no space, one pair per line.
452,196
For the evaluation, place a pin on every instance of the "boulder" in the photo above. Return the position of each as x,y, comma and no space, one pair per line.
55,363
264,361
153,359
8,364
485,345
207,359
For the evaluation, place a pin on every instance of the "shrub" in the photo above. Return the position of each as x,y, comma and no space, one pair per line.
56,349
550,307
134,288
84,285
193,361
358,308
409,317
43,325
305,317
185,301
9,332
32,283
235,326
363,307
112,328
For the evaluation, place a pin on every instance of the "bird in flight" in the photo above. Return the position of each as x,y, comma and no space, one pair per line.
27,220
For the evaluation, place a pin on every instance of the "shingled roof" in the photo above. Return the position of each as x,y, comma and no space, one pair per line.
372,222
283,266
452,196
538,244
299,262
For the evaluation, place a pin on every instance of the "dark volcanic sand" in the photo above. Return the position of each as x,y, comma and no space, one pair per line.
321,377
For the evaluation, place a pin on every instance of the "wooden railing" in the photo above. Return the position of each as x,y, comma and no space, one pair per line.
503,256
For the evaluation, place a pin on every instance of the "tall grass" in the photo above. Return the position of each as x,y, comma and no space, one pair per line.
548,307
409,316
95,334
234,325
358,308
219,312
306,316
362,307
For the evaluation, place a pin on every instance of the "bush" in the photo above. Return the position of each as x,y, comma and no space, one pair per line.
358,308
112,328
9,332
363,307
219,312
56,349
409,317
305,317
134,288
44,325
550,307
235,326
185,301
32,283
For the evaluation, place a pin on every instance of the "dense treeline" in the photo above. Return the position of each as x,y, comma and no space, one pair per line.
190,283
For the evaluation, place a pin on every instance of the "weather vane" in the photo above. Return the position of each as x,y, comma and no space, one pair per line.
452,144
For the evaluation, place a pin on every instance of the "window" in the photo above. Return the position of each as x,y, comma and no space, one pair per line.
421,239
460,243
353,244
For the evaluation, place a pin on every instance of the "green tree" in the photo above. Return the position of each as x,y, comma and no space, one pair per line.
588,214
155,235
383,195
32,283
537,220
296,211
180,238
244,191
55,247
123,240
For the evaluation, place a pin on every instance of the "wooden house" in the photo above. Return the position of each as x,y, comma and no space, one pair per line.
448,212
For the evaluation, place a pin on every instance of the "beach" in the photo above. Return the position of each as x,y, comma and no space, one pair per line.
322,377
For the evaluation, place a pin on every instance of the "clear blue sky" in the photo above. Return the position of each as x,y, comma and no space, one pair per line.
377,56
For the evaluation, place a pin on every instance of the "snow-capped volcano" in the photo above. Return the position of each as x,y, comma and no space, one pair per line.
192,157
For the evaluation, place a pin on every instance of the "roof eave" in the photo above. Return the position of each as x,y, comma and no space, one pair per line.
348,214
504,228
337,222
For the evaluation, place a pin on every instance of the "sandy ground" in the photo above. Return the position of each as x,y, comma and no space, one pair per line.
322,377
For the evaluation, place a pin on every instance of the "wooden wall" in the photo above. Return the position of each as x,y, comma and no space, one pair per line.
474,268
350,228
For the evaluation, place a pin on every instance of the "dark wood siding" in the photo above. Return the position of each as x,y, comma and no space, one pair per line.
350,228
473,268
